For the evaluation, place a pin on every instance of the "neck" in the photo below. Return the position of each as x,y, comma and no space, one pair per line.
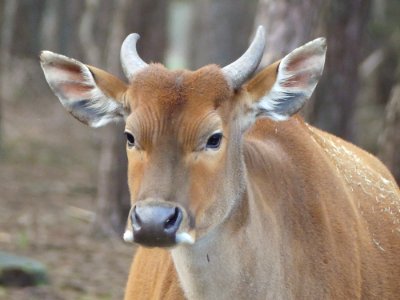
225,257
234,253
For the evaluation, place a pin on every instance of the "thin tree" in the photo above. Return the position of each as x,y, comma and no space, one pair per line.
389,142
110,202
345,25
287,28
148,18
290,24
286,25
220,30
6,36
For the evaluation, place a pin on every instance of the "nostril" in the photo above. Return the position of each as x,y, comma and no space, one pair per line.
136,221
173,219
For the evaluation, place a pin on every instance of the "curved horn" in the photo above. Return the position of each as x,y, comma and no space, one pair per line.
240,70
130,60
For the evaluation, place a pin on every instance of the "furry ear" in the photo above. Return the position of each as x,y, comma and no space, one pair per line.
283,88
91,95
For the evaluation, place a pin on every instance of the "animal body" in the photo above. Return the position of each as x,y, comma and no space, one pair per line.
233,195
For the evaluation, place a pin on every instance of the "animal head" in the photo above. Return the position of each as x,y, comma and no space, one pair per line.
184,128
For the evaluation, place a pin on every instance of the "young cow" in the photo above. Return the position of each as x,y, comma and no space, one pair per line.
248,200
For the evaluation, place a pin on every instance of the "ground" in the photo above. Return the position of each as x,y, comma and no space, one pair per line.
48,175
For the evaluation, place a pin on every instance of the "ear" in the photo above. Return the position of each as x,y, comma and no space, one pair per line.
91,95
282,89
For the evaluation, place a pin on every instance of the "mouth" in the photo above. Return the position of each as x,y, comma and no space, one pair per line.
181,238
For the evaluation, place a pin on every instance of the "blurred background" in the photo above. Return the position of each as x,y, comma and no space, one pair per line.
63,192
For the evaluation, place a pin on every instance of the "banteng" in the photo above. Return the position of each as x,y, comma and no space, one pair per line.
233,195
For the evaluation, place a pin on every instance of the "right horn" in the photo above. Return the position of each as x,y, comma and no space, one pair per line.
240,70
130,60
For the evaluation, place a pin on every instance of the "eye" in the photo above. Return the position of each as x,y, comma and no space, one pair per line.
130,139
214,141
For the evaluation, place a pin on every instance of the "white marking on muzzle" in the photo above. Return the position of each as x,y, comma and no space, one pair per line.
128,236
184,238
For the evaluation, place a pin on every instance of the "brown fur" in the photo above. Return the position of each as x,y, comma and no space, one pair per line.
263,81
153,276
109,84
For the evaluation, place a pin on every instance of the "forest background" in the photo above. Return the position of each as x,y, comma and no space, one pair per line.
63,192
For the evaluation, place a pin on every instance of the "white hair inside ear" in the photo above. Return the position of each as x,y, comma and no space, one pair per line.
297,76
76,88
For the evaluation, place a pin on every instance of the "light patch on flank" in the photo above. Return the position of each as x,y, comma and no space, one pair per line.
378,244
128,236
360,177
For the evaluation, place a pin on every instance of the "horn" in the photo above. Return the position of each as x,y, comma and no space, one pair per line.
240,70
130,60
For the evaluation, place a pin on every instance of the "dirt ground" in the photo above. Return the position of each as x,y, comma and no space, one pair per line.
47,200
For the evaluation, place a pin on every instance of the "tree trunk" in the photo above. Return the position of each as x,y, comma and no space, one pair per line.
87,27
345,27
148,18
290,24
377,73
112,189
6,37
60,22
221,31
26,27
49,26
389,142
286,27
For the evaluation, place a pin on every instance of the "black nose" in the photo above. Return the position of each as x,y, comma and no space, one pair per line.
155,226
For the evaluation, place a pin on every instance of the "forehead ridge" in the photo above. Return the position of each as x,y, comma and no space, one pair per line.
176,102
174,88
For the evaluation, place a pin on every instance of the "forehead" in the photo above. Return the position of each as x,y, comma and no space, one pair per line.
170,92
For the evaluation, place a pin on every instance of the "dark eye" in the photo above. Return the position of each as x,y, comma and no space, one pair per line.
214,141
130,139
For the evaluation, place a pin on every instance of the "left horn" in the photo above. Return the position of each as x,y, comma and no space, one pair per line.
130,60
240,70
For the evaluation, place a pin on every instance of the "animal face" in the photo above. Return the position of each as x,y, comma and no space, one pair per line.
178,135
